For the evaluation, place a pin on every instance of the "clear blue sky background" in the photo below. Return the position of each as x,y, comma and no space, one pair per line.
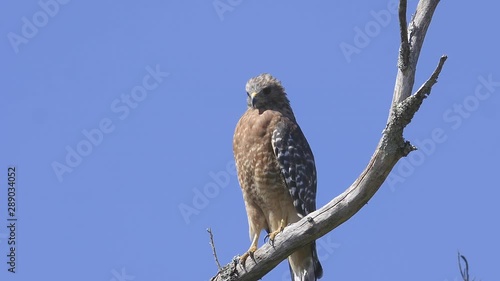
115,214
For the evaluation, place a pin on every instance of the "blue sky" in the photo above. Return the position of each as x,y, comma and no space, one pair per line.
119,118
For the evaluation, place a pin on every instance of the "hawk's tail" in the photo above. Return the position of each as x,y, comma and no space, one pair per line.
304,264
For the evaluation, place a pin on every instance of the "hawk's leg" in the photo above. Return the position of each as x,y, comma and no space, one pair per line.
251,250
273,234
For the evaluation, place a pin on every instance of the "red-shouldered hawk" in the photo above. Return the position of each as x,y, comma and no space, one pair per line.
276,171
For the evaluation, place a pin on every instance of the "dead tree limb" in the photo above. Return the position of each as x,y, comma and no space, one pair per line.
409,50
392,147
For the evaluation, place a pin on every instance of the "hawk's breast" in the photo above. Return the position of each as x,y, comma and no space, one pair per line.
258,170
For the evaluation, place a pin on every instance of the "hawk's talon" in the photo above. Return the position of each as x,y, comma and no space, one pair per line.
273,234
271,240
247,254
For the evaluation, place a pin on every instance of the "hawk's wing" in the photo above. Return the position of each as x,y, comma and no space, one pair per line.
297,166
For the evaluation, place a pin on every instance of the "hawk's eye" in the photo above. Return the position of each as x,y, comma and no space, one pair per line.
266,90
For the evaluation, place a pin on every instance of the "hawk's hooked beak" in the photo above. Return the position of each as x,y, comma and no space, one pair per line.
253,98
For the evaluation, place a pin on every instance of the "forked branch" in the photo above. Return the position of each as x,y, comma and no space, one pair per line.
390,149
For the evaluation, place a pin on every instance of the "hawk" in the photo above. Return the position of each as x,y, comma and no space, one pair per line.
276,171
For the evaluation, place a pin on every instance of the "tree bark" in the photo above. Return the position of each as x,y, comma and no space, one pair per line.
391,147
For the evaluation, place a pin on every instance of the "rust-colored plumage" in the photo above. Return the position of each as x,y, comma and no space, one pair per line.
276,170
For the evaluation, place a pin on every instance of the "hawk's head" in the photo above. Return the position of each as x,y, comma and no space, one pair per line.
266,92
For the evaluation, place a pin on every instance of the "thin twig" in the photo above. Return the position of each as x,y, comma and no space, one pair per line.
404,51
209,230
425,89
405,110
463,272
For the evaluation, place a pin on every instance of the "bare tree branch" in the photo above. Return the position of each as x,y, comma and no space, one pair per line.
464,272
405,110
212,244
425,89
390,149
404,50
417,31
